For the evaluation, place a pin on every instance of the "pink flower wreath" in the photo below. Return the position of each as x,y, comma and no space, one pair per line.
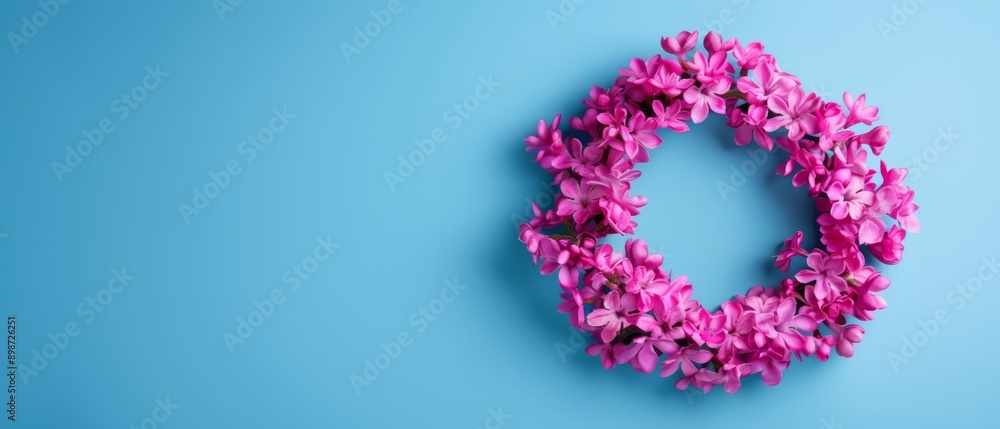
638,313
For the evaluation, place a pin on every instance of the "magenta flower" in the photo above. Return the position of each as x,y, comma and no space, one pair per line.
681,45
846,337
793,248
750,56
753,128
641,354
848,195
545,135
685,359
711,69
643,136
644,284
796,113
614,316
713,44
876,138
890,249
706,97
641,72
858,112
602,100
672,116
615,122
767,82
605,351
573,305
667,79
831,126
825,272
813,170
580,200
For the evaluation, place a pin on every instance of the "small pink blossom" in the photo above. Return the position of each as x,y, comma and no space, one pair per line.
858,112
825,272
796,113
680,45
613,317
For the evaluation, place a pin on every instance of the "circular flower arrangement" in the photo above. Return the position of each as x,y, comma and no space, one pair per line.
641,315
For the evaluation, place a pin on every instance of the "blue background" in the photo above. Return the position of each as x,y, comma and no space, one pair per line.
495,347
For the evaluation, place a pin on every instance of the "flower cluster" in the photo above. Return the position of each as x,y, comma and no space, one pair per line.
639,314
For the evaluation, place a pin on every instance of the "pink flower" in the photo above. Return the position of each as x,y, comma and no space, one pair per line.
573,304
868,300
681,45
796,113
545,135
711,69
771,82
602,100
848,194
813,172
640,72
640,353
876,138
606,351
643,136
587,123
890,249
667,79
713,43
825,272
753,128
644,284
858,112
750,56
831,126
731,374
706,97
565,257
580,200
793,248
615,122
614,316
847,337
685,359
671,116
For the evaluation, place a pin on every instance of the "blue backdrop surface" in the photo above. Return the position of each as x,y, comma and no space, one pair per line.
303,214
